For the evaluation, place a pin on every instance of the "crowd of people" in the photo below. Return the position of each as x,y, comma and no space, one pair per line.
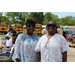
51,47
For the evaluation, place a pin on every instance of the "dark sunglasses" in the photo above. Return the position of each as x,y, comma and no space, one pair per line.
31,26
53,25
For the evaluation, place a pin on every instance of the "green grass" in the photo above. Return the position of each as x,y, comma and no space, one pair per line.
39,37
2,35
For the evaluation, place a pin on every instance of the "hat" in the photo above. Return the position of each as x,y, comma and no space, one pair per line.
8,35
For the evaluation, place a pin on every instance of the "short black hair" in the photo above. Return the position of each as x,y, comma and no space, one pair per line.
30,22
14,32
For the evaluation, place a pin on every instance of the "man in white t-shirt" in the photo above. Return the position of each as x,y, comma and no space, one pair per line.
12,49
8,43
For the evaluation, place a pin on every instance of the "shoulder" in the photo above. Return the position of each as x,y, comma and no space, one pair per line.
10,39
44,36
60,37
36,36
20,35
44,29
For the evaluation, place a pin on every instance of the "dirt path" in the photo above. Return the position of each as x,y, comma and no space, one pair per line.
71,55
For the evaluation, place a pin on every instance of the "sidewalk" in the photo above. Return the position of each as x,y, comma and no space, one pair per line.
71,55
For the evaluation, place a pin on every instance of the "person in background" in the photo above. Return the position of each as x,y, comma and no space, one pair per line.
52,46
25,44
13,33
59,30
57,26
8,44
9,52
10,29
45,31
64,34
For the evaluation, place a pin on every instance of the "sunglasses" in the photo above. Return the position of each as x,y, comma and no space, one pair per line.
31,26
53,25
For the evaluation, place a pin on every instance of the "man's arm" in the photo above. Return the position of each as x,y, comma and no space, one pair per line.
64,57
38,57
7,47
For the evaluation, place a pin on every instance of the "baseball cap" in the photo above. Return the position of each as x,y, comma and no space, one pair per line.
8,35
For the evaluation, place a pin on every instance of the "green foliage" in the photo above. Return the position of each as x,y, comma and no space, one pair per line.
38,17
47,18
2,35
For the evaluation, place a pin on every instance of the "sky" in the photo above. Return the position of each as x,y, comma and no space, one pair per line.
61,14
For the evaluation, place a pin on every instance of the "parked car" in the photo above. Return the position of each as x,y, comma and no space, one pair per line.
70,35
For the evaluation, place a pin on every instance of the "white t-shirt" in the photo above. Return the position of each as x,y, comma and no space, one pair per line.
9,43
52,49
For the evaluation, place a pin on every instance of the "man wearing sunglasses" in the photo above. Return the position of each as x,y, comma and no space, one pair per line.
52,46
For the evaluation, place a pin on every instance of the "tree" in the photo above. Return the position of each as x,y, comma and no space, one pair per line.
16,17
68,20
0,16
41,16
23,17
36,16
47,18
11,17
55,18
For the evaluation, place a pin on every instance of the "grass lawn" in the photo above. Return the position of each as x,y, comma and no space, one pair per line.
39,37
2,35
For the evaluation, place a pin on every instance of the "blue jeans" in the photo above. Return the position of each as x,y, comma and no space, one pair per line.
5,54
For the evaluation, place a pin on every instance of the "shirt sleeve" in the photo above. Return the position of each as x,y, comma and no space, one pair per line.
64,45
38,46
17,48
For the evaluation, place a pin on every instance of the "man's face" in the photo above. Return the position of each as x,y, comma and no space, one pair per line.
7,37
51,28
